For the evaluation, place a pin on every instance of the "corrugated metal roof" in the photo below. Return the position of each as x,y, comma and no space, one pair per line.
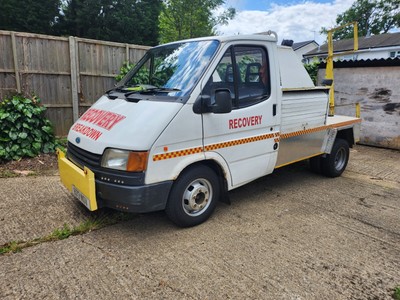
373,41
382,62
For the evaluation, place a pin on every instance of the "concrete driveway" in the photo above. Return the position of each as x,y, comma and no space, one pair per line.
290,235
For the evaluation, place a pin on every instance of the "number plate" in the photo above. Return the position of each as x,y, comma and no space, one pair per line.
81,197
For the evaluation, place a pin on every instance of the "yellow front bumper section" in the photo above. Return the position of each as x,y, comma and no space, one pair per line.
80,183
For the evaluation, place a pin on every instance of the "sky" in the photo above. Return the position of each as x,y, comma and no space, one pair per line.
292,19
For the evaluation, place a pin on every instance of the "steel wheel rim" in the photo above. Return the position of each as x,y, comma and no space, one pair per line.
197,197
340,159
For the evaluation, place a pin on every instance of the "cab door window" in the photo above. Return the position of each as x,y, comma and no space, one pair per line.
222,78
253,83
244,71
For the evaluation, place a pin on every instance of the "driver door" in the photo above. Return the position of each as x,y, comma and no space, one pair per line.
247,137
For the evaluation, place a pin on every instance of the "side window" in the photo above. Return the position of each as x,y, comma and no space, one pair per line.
254,80
222,77
245,75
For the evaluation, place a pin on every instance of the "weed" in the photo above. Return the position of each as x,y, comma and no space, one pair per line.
10,247
97,222
7,174
396,293
62,233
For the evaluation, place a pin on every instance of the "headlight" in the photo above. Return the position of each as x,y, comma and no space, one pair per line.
124,160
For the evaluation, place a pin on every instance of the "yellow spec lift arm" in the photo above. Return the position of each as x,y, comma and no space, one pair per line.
329,63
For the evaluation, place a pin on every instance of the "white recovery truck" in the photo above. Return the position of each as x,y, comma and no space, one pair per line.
197,118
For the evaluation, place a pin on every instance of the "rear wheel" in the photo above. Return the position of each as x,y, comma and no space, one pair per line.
193,196
335,163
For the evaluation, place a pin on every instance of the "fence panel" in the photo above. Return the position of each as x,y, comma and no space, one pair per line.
68,74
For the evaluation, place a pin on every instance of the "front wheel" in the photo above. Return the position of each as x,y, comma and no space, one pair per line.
335,163
193,196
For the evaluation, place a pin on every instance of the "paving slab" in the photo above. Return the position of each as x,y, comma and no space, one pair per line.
32,207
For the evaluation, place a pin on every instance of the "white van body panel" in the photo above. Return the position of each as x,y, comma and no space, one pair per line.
293,74
140,125
179,145
303,110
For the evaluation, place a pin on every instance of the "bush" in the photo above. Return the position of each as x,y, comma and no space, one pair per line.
141,77
126,67
25,132
312,70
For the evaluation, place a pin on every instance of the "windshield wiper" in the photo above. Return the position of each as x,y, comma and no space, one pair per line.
128,90
138,89
160,90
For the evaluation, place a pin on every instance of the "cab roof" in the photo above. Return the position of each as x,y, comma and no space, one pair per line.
229,38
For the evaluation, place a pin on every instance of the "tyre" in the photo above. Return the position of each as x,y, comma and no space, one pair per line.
193,196
335,163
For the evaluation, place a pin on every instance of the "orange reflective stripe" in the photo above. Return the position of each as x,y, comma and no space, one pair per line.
238,142
276,136
174,154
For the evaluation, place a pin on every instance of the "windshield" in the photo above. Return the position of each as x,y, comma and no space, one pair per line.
173,69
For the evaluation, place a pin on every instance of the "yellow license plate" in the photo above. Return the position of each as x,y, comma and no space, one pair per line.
80,183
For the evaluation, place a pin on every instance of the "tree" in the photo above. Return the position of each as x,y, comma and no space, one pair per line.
37,16
180,19
373,17
128,21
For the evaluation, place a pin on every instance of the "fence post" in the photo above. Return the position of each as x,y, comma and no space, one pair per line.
15,58
127,53
74,78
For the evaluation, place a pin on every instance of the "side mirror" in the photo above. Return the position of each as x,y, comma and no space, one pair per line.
223,102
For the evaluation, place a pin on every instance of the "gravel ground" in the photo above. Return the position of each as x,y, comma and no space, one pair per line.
290,235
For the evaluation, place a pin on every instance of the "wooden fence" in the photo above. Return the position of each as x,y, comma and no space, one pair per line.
67,74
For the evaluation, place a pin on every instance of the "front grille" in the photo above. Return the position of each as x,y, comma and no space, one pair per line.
83,157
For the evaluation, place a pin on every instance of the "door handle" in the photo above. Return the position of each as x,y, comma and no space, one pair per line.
274,109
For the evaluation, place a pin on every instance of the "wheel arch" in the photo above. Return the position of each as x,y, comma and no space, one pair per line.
347,135
220,167
216,167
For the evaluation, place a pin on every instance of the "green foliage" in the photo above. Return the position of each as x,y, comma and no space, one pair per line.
25,132
126,67
124,21
10,247
396,293
373,16
243,62
61,143
181,19
61,233
312,70
37,16
141,77
7,174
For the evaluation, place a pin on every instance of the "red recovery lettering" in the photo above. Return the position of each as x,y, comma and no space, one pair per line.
102,118
244,122
87,131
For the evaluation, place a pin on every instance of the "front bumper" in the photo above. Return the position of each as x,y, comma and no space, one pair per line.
96,194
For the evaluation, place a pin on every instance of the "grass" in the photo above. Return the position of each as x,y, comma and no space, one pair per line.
66,231
396,293
7,174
